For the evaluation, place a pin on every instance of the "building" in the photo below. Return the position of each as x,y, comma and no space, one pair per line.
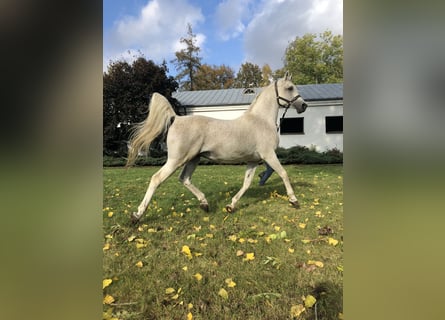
319,127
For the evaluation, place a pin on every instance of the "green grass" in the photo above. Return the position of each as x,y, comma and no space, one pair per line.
283,240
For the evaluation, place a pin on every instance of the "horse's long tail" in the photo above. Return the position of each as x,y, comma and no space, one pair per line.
157,123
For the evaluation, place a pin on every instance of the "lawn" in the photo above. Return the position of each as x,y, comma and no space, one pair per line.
266,260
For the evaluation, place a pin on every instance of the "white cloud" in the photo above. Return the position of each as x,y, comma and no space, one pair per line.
229,17
278,22
155,31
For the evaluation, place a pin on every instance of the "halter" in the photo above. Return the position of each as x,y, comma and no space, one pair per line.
285,106
288,102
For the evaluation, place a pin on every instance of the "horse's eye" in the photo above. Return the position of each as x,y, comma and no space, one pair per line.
290,88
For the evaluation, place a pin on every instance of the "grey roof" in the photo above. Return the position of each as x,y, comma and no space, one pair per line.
309,92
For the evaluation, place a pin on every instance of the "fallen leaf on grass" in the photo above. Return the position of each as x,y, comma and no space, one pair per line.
302,225
249,257
309,301
197,276
317,263
108,299
297,310
186,250
230,283
106,283
106,246
139,264
239,253
223,293
189,316
169,290
332,241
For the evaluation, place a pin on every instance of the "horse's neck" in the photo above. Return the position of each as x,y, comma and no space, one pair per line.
265,106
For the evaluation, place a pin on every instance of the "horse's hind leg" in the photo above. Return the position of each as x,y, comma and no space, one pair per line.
161,175
185,178
248,177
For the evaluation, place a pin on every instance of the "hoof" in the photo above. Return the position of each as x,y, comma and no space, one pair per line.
204,206
295,204
229,208
134,218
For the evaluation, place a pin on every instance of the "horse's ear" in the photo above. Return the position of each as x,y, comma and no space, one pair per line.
287,76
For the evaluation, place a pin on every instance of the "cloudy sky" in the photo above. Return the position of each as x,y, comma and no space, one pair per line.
229,32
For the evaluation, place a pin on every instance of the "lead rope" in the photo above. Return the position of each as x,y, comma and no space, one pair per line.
282,118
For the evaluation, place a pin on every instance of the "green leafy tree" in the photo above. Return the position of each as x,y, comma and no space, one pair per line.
187,61
249,75
312,59
127,89
266,73
214,77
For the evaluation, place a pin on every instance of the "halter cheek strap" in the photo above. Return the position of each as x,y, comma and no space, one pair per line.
285,106
288,102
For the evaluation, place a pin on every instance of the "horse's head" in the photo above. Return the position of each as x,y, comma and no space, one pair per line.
287,94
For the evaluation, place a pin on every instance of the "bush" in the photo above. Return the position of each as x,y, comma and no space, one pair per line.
294,155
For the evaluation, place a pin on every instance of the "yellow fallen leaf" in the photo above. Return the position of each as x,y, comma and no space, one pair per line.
302,225
305,241
110,214
249,256
309,301
206,219
223,293
190,306
291,250
139,264
185,268
277,228
230,283
108,299
140,245
297,310
106,246
106,283
186,250
232,237
332,241
239,253
317,263
131,238
198,276
169,290
189,316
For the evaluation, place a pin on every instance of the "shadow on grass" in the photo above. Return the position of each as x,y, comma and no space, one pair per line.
329,301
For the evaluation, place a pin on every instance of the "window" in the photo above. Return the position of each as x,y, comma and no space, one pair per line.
334,124
292,126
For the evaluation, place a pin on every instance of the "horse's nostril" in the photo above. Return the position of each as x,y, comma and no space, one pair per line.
304,105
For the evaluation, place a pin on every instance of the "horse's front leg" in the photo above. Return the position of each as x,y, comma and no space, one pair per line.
248,177
275,164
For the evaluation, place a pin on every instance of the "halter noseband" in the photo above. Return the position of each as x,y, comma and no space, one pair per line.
288,102
285,106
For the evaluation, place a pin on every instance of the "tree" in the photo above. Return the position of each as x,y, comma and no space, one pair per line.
187,60
266,73
315,60
126,93
249,75
214,77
